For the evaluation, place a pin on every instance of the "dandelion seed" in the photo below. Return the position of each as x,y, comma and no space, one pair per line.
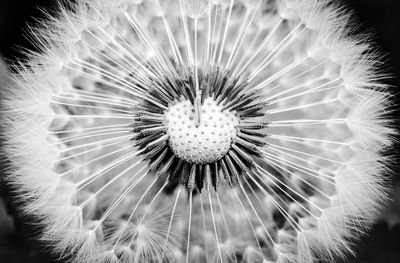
199,131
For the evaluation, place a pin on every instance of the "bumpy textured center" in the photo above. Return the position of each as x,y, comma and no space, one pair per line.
205,143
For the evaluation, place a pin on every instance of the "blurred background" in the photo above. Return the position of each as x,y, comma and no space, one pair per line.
380,245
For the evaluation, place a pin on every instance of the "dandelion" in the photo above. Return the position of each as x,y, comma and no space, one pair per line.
199,131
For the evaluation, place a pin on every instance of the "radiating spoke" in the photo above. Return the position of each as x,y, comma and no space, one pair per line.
215,227
171,222
189,225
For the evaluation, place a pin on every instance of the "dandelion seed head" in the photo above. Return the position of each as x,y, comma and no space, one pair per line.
199,131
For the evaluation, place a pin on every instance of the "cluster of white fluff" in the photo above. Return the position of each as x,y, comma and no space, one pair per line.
68,135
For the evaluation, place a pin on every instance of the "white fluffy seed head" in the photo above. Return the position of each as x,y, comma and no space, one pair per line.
205,143
315,180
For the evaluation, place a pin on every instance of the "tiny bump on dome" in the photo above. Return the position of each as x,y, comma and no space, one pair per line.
214,139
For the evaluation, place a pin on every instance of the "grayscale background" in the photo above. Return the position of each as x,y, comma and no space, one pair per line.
17,238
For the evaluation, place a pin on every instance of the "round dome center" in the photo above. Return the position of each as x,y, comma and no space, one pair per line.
206,143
